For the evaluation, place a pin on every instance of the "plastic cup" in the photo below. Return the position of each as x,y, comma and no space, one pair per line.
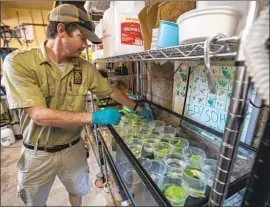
175,190
194,156
161,149
149,141
166,139
175,164
145,162
209,166
196,179
157,171
178,144
133,181
135,146
156,126
168,131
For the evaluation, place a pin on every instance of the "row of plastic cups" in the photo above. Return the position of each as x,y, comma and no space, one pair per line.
174,188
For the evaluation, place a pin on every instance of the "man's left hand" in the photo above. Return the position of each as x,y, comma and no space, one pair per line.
145,113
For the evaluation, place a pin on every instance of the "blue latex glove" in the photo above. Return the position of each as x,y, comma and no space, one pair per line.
146,114
106,116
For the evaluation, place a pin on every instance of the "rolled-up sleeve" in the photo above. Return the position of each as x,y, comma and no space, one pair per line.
21,87
97,84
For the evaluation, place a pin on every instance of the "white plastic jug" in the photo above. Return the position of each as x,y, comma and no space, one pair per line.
127,28
98,48
107,31
7,136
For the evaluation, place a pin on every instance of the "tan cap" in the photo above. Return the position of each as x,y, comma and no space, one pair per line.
70,13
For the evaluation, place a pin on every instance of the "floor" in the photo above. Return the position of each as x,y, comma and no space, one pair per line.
58,196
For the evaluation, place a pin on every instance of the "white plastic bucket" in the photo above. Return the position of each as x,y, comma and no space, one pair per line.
198,24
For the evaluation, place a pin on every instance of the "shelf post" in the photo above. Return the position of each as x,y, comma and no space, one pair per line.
231,136
101,174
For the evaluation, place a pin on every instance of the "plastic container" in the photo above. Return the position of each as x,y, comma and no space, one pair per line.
7,136
198,24
149,141
178,144
194,156
156,126
175,190
196,179
167,131
161,149
127,36
209,166
157,171
240,6
98,48
133,181
167,29
135,146
175,164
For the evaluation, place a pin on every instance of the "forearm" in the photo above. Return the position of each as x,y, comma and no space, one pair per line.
122,98
50,117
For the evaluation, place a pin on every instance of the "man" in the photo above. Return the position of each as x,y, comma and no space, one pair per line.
48,85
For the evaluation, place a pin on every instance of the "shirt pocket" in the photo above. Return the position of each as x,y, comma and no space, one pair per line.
75,99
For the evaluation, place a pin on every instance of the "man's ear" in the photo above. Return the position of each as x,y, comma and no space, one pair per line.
61,32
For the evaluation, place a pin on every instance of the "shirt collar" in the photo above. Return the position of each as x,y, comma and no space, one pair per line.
43,53
45,59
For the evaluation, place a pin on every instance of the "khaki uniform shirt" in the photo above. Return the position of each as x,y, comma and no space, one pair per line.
31,79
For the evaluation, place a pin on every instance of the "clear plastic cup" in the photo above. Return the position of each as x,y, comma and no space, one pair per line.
149,141
175,164
161,149
209,166
178,144
175,190
194,156
156,171
166,139
135,146
196,179
145,162
133,181
168,131
156,126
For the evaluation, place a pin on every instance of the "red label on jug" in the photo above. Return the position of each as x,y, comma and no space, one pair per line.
131,31
100,47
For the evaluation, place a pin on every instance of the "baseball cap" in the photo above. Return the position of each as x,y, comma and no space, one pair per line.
68,13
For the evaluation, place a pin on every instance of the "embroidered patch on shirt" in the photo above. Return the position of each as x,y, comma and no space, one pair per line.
77,77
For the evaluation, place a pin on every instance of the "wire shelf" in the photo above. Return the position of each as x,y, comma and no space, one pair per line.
222,49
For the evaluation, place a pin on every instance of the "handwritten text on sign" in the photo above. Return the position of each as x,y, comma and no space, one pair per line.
208,116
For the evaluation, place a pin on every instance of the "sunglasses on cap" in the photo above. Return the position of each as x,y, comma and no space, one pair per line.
86,24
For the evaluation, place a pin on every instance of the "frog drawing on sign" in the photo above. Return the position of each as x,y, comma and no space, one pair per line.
211,102
225,72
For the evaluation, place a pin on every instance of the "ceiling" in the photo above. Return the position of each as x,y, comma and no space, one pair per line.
46,5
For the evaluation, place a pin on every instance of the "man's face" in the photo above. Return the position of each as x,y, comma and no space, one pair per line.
73,44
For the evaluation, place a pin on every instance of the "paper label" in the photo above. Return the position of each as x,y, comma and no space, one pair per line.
131,31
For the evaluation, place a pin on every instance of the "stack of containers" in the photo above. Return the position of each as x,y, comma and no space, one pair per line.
121,30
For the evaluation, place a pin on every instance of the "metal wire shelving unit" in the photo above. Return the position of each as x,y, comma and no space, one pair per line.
221,49
230,48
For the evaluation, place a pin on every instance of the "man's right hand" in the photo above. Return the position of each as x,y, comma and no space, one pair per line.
106,116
